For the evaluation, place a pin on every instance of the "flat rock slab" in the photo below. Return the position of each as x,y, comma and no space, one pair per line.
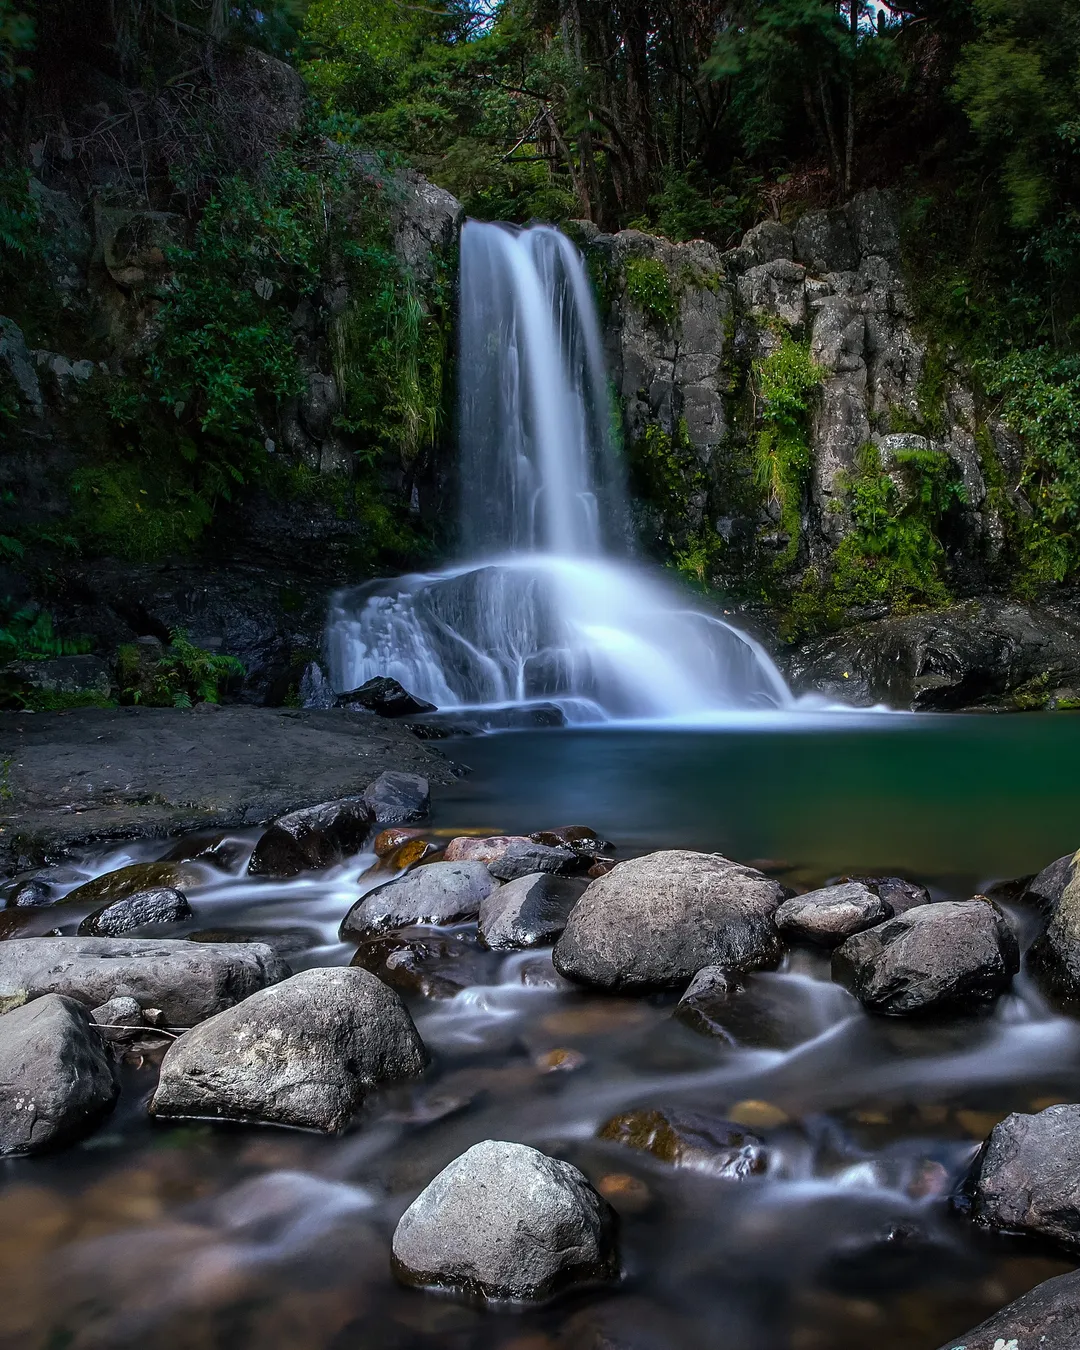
188,981
504,1221
1027,1179
92,773
56,1076
303,1053
1047,1318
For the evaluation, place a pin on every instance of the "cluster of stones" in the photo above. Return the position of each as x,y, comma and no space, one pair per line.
504,1221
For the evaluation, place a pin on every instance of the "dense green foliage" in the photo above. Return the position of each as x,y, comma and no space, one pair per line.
180,676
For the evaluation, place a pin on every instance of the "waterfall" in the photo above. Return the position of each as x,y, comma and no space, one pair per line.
549,607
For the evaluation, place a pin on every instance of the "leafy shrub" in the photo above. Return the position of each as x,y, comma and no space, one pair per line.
649,287
134,512
182,675
28,634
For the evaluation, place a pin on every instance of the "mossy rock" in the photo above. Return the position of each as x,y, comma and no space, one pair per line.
135,877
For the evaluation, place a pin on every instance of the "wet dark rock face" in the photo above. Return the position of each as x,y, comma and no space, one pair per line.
1048,1317
386,697
313,838
948,956
159,906
1027,1178
688,1139
528,911
506,1222
426,963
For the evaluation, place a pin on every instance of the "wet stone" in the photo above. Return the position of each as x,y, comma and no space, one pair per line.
438,893
1048,1317
830,915
467,848
506,1222
312,839
56,1077
429,965
398,798
386,697
161,905
223,851
528,911
897,892
30,894
399,859
388,841
687,1139
947,956
127,881
283,942
1027,1179
302,1053
586,843
118,1012
522,860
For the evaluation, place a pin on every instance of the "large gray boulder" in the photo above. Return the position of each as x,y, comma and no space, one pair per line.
1027,1178
1046,889
654,922
188,981
527,911
303,1053
56,1077
1047,1318
316,837
522,859
834,913
504,1221
952,955
438,893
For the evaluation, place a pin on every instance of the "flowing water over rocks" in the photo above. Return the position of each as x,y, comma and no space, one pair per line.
548,607
782,1165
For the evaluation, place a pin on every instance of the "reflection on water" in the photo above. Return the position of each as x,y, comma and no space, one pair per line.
195,1237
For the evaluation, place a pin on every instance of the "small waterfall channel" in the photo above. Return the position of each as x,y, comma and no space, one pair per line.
549,607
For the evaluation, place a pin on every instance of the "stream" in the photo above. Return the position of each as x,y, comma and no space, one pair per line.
197,1236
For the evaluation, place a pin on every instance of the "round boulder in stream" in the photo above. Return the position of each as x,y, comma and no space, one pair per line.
316,837
528,911
302,1053
56,1076
1055,955
437,893
506,1222
162,904
949,956
1027,1178
654,922
832,914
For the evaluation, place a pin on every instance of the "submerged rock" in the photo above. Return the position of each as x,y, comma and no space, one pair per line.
303,1053
127,881
386,697
832,914
312,839
949,956
432,965
398,798
1048,1317
163,904
56,1078
392,838
188,981
521,860
1027,1178
506,1222
687,1139
655,921
527,912
760,1012
437,893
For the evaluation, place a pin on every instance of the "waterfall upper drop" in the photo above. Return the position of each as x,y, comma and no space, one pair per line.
549,609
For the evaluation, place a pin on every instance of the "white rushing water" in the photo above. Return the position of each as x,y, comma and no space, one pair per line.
549,607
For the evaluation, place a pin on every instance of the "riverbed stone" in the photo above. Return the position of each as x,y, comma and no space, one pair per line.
1047,888
1027,1178
188,981
689,1139
952,955
830,915
527,912
1045,1318
468,848
585,842
419,962
897,892
161,904
398,798
521,860
506,1222
57,1080
136,877
30,894
302,1053
760,1011
386,697
437,893
118,1012
312,839
654,922
1055,955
